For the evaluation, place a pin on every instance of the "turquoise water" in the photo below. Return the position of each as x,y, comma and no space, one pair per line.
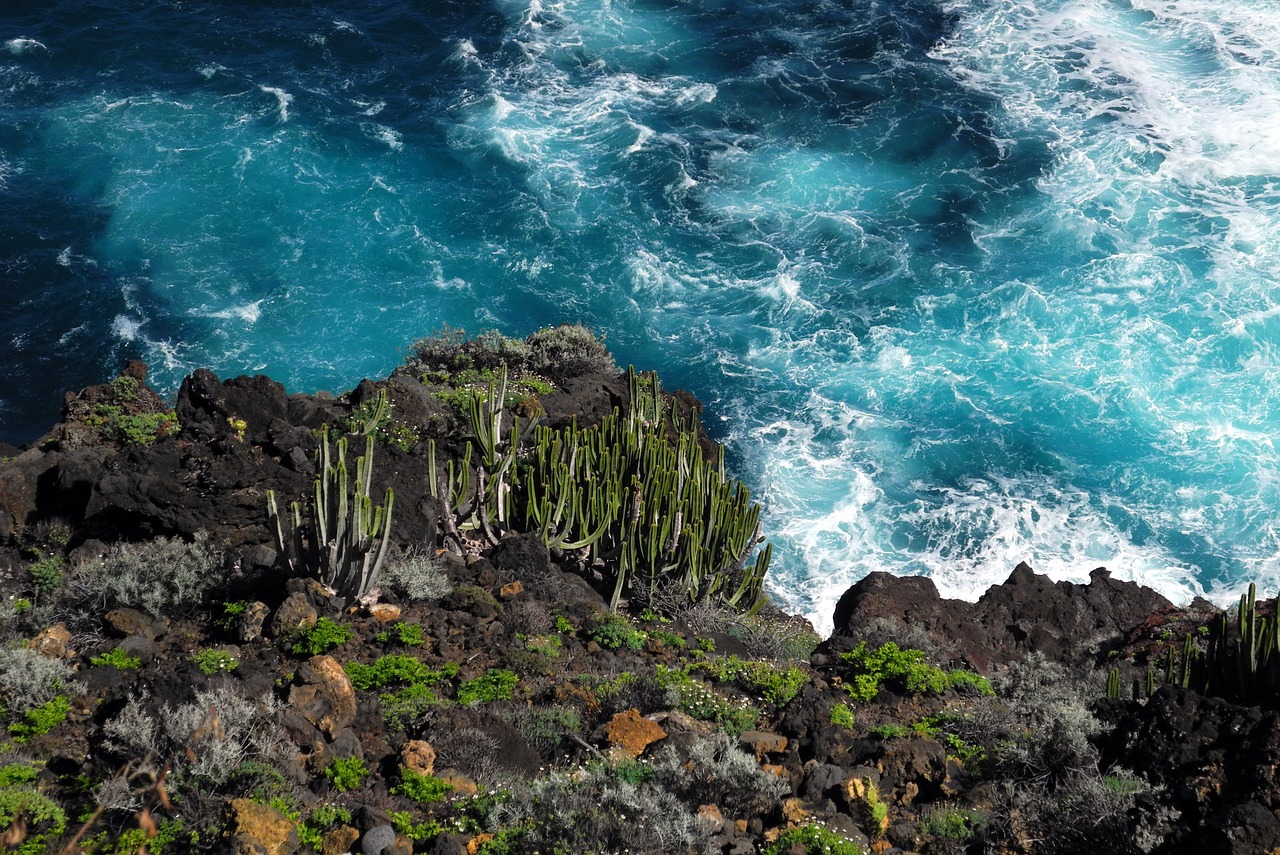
964,283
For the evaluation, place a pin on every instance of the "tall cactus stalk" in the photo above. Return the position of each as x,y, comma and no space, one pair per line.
651,511
345,537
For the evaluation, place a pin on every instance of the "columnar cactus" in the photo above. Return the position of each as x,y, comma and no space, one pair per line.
345,537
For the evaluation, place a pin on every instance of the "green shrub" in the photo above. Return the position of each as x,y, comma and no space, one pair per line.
230,614
952,823
115,424
160,577
614,632
816,840
43,819
776,684
46,575
901,670
396,669
346,773
969,683
842,716
422,789
42,719
211,661
404,708
889,731
17,773
496,684
408,634
116,658
419,832
703,702
322,637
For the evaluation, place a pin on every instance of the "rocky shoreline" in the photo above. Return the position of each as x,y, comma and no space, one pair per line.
166,687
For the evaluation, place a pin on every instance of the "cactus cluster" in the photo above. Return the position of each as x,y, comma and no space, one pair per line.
648,511
1240,661
345,537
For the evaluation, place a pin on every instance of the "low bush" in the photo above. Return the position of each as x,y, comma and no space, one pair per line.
496,684
37,721
346,773
160,577
28,679
415,575
322,637
815,840
116,658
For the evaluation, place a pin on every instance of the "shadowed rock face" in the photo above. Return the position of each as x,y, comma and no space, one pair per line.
1067,622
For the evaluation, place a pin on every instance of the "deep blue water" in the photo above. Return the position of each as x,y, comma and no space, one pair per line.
966,282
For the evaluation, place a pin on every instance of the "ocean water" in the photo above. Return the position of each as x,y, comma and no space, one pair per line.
963,282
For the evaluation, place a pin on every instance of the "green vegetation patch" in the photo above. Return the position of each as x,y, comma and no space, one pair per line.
496,684
705,703
322,637
116,658
41,719
816,840
776,685
346,773
211,661
868,670
423,789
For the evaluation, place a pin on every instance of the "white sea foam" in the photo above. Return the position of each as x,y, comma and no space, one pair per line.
247,312
283,100
19,46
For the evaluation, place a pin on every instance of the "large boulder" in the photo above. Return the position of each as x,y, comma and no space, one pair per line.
1065,621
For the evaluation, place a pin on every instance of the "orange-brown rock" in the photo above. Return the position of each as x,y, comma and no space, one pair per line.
339,841
256,827
52,642
633,733
474,844
325,697
760,743
419,756
384,613
511,589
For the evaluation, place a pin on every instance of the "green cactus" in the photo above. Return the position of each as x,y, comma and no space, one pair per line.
651,512
345,537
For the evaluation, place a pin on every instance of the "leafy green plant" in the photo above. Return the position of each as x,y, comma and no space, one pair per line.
419,832
614,632
420,788
211,661
231,612
889,731
816,840
842,716
702,702
867,670
43,819
46,574
952,823
775,684
408,634
562,625
396,669
116,658
42,719
346,773
549,646
322,637
496,684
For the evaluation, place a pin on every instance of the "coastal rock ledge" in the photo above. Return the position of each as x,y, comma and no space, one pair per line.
166,683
